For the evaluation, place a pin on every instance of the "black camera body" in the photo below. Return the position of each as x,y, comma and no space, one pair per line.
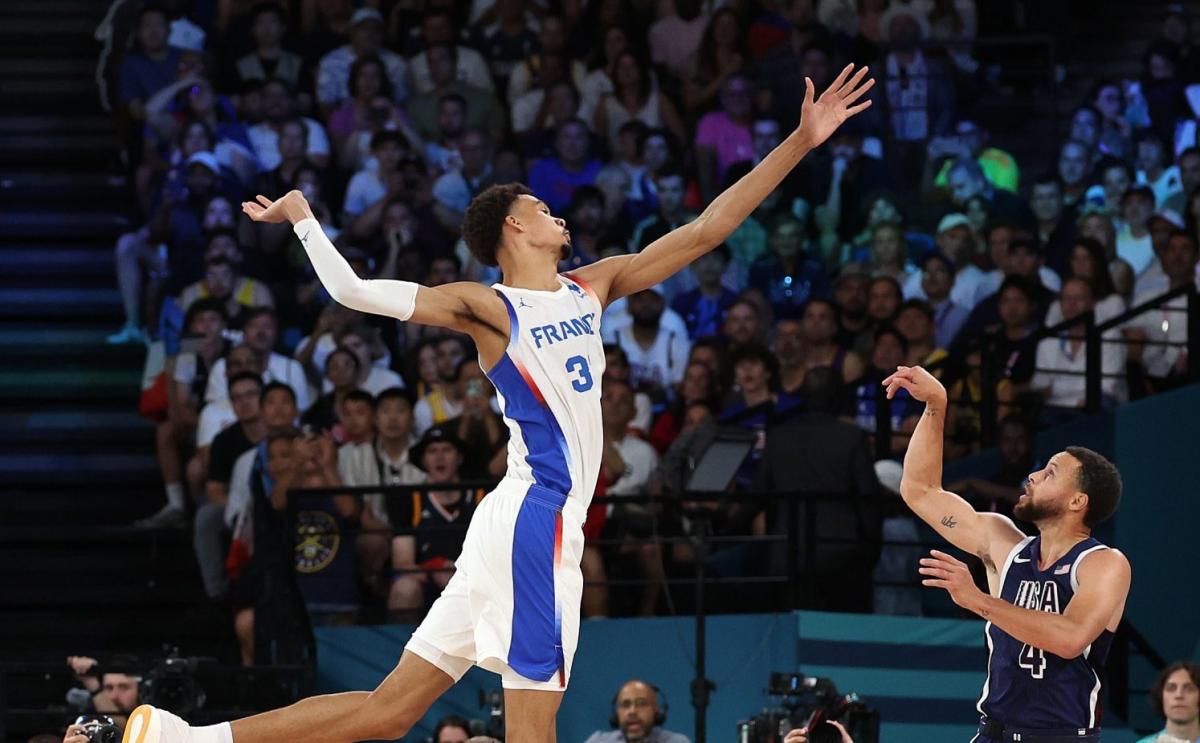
171,684
809,702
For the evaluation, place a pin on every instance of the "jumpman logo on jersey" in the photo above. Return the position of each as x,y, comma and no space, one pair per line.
523,304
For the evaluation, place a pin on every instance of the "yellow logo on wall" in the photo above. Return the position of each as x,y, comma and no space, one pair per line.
317,541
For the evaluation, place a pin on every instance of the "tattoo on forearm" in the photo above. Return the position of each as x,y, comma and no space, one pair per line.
949,522
932,411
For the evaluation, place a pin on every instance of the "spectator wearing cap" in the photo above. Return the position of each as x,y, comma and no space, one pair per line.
366,40
483,111
1061,362
1161,224
704,308
1134,245
966,181
269,60
438,27
937,287
277,110
955,241
787,277
970,140
260,330
1153,170
556,178
152,65
438,520
1055,221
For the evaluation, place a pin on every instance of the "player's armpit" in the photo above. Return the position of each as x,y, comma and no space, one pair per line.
1104,577
622,275
989,536
466,307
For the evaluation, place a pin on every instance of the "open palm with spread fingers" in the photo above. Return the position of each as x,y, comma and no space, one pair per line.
821,117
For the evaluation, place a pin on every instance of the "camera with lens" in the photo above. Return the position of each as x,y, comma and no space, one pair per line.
172,685
808,702
98,728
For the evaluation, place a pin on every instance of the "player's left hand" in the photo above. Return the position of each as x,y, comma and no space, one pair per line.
944,571
821,117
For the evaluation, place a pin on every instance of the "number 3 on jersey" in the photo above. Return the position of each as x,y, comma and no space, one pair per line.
1034,659
580,364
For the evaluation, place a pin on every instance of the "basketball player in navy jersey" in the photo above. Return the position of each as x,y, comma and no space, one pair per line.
1056,599
512,606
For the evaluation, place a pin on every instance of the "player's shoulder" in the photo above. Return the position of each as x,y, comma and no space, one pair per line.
1102,559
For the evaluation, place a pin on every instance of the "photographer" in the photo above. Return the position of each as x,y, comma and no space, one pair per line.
115,694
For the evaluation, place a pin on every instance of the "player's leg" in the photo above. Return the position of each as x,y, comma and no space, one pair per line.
529,715
384,714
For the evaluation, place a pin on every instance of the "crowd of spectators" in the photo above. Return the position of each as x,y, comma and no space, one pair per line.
911,237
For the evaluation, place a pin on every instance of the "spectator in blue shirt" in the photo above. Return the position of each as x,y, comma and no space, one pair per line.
556,178
152,66
704,308
787,277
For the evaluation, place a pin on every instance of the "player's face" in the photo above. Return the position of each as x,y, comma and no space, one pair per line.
1181,698
393,418
1048,491
543,229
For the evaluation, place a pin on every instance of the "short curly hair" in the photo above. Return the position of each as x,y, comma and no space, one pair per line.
1100,479
483,222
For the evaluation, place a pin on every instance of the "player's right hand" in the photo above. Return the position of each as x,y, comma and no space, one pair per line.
919,383
291,207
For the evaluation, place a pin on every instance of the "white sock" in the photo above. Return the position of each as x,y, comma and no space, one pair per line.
222,733
175,495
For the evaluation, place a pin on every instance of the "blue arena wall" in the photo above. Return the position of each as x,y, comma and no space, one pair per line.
924,675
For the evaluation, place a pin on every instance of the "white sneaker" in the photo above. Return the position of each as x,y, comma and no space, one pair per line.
128,334
168,517
153,725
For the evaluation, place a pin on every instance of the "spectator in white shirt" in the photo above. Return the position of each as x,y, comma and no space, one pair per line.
956,240
384,461
259,332
1161,224
1062,359
657,355
1165,365
371,184
364,342
1133,238
627,463
366,39
276,98
1152,170
437,27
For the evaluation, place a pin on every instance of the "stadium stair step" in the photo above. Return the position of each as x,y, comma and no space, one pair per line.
77,463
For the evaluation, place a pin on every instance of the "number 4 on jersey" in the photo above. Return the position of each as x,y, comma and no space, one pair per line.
1034,659
580,364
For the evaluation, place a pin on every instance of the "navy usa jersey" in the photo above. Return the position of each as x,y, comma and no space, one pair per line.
1028,688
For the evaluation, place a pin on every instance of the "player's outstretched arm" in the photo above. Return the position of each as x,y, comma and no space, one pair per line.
463,306
1103,576
982,534
620,276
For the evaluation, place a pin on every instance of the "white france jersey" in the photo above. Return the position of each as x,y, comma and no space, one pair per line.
548,386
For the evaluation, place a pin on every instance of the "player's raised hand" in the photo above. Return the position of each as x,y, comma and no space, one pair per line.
821,117
919,383
291,207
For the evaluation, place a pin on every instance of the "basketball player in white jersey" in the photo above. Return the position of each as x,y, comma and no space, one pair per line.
512,606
